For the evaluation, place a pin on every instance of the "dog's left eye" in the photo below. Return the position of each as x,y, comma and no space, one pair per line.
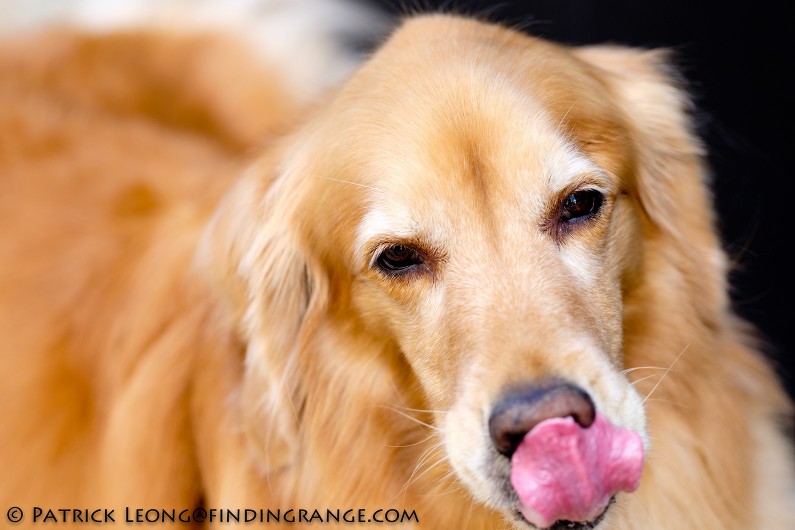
581,204
398,258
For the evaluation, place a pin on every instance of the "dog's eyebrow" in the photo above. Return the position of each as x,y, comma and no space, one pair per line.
378,225
568,166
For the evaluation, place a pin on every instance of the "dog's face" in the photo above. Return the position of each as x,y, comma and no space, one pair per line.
472,199
492,248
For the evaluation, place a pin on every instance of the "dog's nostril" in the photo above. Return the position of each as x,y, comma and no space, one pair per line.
524,408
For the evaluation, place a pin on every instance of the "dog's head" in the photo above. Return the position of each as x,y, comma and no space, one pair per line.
467,226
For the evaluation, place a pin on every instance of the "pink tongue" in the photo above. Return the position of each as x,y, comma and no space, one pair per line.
562,471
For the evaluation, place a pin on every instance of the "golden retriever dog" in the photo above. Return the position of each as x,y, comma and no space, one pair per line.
476,286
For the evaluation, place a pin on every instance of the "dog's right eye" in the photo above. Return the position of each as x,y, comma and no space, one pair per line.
581,204
398,258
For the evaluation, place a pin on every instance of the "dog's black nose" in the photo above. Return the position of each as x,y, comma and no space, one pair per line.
523,408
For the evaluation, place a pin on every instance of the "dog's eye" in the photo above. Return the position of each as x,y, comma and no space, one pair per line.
398,258
580,204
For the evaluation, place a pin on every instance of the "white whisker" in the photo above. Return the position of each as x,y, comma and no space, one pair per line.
432,435
563,119
412,418
419,410
423,459
427,470
668,371
348,182
670,402
628,370
642,379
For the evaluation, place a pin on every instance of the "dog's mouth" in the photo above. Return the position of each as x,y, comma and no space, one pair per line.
571,525
566,475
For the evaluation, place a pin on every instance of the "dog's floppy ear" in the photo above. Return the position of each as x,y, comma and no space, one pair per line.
669,173
251,252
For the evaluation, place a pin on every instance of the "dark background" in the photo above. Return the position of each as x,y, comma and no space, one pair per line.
738,61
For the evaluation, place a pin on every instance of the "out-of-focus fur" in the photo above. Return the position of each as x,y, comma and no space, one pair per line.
189,313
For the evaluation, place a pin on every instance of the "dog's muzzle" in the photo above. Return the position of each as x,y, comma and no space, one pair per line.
567,460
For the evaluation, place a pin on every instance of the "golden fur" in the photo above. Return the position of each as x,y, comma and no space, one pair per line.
173,334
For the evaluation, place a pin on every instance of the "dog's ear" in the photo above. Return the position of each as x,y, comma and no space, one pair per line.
252,254
669,173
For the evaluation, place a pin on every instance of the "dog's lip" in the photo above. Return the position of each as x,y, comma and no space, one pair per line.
571,525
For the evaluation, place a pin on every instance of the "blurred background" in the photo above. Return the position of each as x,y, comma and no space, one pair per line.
738,59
